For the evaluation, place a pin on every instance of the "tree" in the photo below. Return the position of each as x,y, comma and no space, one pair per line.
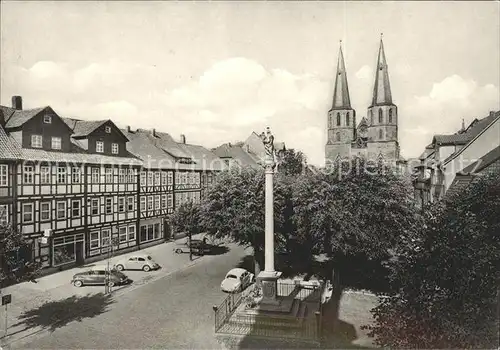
234,207
354,213
16,262
446,277
186,218
291,162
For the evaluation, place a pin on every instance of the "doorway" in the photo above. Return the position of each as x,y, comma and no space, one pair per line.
79,253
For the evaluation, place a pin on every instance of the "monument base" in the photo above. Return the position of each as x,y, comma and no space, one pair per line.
269,282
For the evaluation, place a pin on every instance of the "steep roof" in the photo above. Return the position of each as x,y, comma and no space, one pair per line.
381,87
9,148
341,99
483,162
19,117
237,153
203,157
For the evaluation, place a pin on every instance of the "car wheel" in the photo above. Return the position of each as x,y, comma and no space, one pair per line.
111,284
120,267
178,251
78,283
146,268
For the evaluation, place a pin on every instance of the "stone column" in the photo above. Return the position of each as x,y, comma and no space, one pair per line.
269,210
269,277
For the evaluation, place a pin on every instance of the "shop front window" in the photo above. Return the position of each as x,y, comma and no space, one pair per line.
64,254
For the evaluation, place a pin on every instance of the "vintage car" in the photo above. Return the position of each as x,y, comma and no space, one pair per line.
237,280
99,275
142,262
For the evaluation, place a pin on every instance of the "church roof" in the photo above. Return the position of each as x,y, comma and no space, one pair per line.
381,88
341,99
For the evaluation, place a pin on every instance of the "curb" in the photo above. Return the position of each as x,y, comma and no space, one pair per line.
5,342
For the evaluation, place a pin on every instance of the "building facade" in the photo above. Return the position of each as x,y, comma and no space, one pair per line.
79,189
375,136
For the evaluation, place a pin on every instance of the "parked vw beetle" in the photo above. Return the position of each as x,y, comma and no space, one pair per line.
237,280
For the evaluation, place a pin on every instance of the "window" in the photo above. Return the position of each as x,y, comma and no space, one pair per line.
337,137
107,129
143,178
105,237
156,231
157,202
75,175
150,233
44,175
61,210
380,134
109,206
121,204
170,200
163,201
94,206
131,175
131,233
56,142
380,115
338,119
347,119
371,117
36,141
177,199
143,203
170,178
27,212
390,116
45,211
4,214
61,175
144,230
150,178
47,119
150,202
122,234
114,148
75,209
109,175
121,176
95,175
28,174
157,178
99,146
130,205
94,240
163,178
4,175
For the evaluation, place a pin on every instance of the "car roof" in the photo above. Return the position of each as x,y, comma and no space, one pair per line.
236,271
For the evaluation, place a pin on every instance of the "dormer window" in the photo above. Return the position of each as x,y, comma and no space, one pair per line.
47,119
56,142
36,141
99,146
107,129
114,148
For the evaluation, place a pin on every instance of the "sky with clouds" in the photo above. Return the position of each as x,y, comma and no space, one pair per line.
216,71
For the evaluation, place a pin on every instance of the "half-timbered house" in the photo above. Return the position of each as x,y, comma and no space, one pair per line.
58,201
172,174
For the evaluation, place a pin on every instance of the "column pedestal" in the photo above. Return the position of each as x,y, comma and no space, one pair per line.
269,282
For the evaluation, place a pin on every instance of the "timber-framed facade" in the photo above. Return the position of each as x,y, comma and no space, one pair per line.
77,189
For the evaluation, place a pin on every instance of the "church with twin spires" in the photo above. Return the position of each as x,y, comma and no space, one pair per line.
376,136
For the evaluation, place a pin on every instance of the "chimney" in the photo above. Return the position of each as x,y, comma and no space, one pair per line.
128,128
153,132
183,138
17,102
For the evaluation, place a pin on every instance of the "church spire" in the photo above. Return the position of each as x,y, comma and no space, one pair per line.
382,88
341,98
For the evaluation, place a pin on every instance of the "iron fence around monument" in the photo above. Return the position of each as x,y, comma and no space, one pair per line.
224,311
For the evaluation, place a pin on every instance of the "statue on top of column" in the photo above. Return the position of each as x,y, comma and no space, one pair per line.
268,140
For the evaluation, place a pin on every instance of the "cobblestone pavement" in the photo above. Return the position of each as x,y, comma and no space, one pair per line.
170,312
29,296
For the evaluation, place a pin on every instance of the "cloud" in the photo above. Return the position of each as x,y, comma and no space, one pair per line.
441,111
364,73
